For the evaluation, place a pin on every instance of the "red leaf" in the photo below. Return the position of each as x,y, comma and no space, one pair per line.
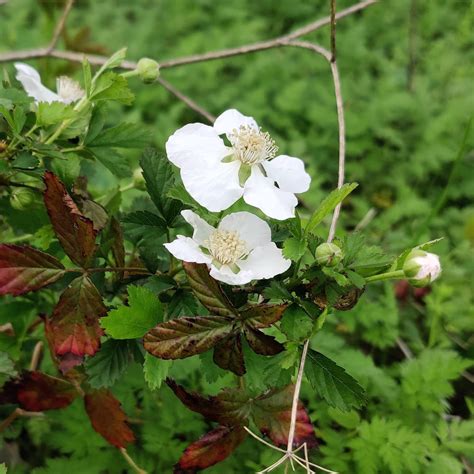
74,230
24,269
36,391
261,343
74,325
263,315
228,354
272,415
210,449
108,418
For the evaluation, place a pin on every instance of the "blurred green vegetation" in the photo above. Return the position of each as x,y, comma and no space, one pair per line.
407,72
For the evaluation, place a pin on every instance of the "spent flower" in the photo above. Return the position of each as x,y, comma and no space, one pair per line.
216,175
238,251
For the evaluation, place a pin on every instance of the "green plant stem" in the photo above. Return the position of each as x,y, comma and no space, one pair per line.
396,275
108,269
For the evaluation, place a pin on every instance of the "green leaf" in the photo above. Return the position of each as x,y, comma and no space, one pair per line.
7,368
332,382
111,86
107,365
114,61
328,204
155,371
277,291
115,162
140,224
296,324
25,160
159,178
133,321
294,248
52,113
3,468
124,135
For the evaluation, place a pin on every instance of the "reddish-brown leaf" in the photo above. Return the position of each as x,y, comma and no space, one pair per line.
263,315
108,418
23,269
210,449
186,336
207,290
271,413
229,407
228,354
36,391
74,325
74,230
262,343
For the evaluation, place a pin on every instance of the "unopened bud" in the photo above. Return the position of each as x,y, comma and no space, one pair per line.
328,254
138,179
421,268
22,198
148,70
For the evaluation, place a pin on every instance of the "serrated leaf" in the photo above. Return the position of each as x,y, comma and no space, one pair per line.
186,336
74,325
228,354
108,418
144,311
140,224
263,315
75,232
115,162
155,371
124,135
7,368
328,205
332,382
294,248
24,269
111,86
277,290
52,113
296,324
210,449
208,290
26,161
108,364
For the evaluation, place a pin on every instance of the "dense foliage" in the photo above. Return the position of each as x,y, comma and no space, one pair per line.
387,382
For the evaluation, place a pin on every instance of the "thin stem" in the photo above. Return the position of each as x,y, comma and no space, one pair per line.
333,30
36,357
395,275
131,462
116,269
60,25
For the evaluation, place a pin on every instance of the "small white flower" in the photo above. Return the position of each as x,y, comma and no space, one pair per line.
422,268
217,175
68,90
238,251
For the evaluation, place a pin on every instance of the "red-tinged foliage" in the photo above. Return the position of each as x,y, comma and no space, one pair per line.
210,449
35,391
263,315
108,418
74,325
24,269
75,231
228,354
262,343
271,413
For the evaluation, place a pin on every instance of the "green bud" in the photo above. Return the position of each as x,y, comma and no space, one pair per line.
148,70
22,198
138,179
421,268
328,254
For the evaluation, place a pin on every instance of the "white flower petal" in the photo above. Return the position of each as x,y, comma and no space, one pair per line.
226,275
216,187
195,145
31,82
264,262
289,173
202,230
232,119
260,191
250,228
429,266
186,249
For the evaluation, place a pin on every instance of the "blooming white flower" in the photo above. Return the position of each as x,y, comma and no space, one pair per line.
422,267
68,90
238,251
217,175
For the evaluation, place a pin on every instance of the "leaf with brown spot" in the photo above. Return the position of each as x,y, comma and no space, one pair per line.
24,269
74,325
35,391
186,336
108,418
207,290
263,315
75,231
210,449
271,413
261,343
228,354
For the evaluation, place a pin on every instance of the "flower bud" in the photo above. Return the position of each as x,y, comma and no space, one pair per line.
22,198
148,70
421,268
138,179
328,254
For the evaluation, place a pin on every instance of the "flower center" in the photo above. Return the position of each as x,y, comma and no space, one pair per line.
226,247
69,90
251,145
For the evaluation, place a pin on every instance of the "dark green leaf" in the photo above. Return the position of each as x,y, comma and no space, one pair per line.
296,324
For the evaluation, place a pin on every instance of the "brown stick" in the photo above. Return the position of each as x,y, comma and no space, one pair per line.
60,25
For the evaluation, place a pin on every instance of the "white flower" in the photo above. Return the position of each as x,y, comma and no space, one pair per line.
68,90
216,175
238,251
422,267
